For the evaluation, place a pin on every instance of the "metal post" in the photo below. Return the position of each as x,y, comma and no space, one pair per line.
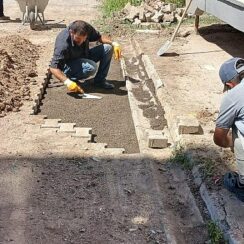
196,24
26,14
36,11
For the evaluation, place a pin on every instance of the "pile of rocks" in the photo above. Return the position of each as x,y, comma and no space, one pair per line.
151,11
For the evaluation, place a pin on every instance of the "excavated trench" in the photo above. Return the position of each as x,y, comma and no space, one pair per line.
110,117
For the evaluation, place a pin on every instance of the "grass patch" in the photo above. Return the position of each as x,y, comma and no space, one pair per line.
110,6
114,27
215,234
179,3
180,156
208,168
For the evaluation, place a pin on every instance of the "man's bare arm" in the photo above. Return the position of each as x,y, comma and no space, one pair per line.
58,74
105,40
223,137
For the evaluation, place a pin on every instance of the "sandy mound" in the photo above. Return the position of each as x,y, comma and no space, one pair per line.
17,72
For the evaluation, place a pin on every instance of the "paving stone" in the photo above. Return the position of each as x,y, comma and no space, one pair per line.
67,127
82,132
168,8
152,73
114,151
34,109
188,125
94,146
156,139
36,119
51,123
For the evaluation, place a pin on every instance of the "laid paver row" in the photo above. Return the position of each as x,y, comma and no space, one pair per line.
67,135
148,138
177,125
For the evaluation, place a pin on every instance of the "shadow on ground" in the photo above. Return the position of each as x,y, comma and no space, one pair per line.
119,85
96,200
226,37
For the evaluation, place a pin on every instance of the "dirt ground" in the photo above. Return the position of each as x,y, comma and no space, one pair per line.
84,201
18,72
88,200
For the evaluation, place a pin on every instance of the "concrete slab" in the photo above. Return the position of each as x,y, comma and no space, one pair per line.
188,125
51,123
67,128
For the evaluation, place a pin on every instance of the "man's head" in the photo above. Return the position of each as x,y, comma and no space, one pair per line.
231,72
79,31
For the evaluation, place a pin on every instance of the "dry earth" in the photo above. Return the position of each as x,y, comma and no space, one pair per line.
17,72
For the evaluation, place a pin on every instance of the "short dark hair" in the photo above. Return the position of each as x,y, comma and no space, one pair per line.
80,27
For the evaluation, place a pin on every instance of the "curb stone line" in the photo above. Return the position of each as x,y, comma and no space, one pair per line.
152,73
172,127
161,91
136,113
142,124
38,96
170,131
215,208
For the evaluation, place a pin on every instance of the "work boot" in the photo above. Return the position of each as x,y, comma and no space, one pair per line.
232,183
4,17
104,85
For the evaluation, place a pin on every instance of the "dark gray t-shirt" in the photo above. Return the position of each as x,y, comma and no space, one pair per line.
231,114
65,49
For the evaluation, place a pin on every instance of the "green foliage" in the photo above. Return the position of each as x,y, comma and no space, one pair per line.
215,234
136,2
209,168
179,3
179,156
110,6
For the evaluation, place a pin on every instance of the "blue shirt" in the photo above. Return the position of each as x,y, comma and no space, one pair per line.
66,50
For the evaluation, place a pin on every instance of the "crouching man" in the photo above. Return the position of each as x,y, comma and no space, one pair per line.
73,59
231,116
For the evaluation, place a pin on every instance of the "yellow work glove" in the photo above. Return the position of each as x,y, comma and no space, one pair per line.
72,86
117,50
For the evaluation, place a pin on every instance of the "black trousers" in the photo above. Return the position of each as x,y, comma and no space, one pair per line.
1,8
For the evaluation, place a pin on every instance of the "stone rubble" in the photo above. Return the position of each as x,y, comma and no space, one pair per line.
151,11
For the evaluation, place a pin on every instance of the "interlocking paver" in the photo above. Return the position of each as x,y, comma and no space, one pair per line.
51,123
67,127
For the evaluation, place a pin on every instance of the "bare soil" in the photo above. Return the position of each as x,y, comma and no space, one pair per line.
82,200
17,72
